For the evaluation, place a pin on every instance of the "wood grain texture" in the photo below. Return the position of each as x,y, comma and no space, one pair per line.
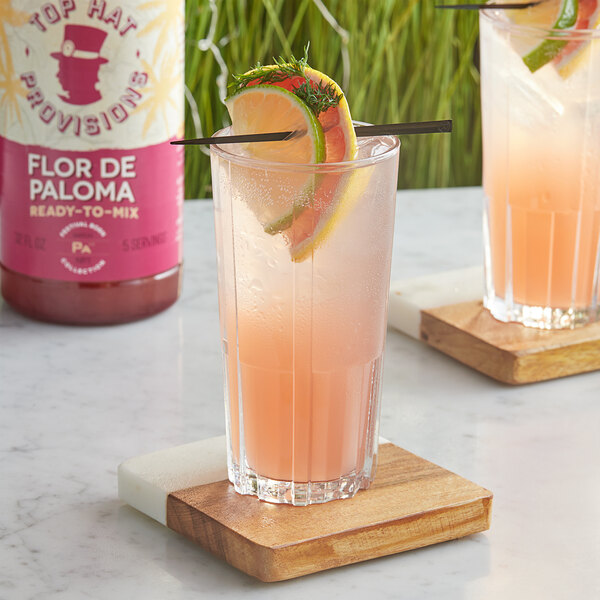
412,503
509,352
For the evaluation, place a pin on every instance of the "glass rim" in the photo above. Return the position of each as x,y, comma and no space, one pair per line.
498,18
258,163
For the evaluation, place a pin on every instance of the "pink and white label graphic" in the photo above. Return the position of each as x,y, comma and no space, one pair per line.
78,63
103,215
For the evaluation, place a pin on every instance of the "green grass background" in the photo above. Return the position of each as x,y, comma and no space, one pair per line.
397,60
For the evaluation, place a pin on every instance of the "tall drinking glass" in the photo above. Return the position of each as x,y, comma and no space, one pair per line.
541,175
304,255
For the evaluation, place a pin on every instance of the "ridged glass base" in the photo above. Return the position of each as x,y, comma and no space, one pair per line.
247,482
540,317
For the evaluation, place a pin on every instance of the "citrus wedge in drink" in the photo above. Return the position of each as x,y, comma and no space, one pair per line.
558,15
577,52
561,16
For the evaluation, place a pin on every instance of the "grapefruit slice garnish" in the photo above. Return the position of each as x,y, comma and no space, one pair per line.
335,197
340,139
314,213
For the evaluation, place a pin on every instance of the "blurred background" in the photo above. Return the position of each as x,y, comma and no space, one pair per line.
396,60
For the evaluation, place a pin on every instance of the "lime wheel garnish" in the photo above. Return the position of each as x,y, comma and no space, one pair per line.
272,194
264,108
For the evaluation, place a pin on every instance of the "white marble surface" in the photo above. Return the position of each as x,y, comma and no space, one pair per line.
75,402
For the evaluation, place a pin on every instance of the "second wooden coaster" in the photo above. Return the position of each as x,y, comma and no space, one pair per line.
444,311
507,351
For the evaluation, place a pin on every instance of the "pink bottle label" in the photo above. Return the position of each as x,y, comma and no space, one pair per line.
90,189
105,215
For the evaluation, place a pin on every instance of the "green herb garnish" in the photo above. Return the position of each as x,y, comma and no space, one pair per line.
318,98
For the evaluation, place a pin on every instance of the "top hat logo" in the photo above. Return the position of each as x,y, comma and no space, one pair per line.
78,63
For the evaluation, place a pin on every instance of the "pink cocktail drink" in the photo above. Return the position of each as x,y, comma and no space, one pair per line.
303,331
541,118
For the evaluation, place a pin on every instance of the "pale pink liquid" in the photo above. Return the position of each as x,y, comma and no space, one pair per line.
303,341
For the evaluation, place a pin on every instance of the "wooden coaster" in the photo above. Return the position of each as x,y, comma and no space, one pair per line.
412,503
445,312
509,352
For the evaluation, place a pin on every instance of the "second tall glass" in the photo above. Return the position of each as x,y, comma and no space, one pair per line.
541,150
304,255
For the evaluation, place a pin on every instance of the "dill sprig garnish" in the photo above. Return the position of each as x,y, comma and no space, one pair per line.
268,73
318,97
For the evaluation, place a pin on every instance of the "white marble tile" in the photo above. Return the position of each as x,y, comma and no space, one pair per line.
408,297
76,402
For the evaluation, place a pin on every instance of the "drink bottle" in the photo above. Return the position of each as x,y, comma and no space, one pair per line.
91,193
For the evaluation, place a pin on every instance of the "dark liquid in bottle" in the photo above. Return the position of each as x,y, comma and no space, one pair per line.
76,303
